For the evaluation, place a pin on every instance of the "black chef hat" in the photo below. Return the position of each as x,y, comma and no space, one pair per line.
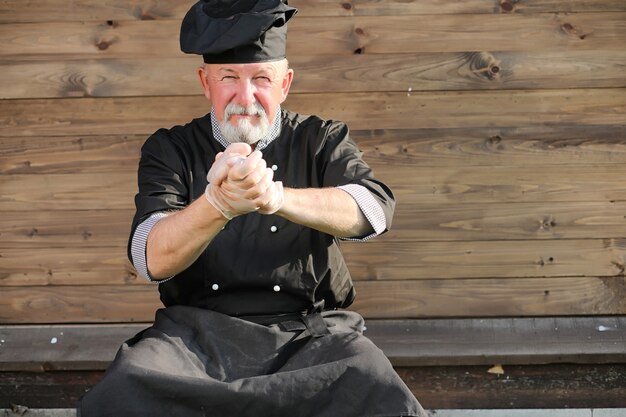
236,31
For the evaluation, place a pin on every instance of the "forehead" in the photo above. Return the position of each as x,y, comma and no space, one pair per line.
252,68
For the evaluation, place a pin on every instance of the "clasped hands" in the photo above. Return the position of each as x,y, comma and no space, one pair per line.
240,182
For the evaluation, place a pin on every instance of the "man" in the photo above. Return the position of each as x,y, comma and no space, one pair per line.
238,218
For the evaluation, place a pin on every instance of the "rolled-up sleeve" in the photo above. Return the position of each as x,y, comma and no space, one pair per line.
341,165
369,206
138,247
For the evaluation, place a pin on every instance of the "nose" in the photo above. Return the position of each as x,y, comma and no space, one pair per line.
245,93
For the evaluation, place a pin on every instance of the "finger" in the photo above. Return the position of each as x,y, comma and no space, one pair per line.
253,163
218,171
238,148
276,201
260,190
248,190
260,173
268,197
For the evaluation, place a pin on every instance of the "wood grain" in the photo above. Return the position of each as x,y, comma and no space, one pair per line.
70,154
66,230
426,222
415,342
55,78
535,146
498,221
531,146
144,115
67,266
376,299
521,387
347,36
79,304
412,185
503,184
498,124
67,259
388,259
586,386
491,297
77,10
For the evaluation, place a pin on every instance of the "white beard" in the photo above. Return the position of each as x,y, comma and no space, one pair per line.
245,131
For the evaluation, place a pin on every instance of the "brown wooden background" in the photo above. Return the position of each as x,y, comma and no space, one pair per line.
500,125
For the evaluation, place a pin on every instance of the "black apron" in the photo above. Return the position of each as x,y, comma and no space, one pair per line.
196,362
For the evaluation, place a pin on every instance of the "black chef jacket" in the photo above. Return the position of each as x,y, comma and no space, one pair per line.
256,254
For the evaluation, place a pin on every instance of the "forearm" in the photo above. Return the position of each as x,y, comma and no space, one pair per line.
177,240
329,210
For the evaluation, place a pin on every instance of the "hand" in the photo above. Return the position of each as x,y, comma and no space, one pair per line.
277,199
225,160
219,172
248,184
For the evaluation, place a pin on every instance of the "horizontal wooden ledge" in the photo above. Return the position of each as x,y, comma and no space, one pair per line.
121,10
52,77
348,36
539,340
461,109
418,342
470,391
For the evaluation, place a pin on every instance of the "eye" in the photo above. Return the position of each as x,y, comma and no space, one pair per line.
228,77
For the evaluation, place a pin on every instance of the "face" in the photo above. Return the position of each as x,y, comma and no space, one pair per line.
246,97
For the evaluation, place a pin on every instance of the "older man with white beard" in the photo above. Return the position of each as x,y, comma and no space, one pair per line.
238,220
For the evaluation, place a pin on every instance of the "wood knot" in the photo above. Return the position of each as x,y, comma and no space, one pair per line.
570,29
359,51
112,23
359,31
495,140
620,267
103,45
80,142
541,261
547,223
485,66
506,6
346,6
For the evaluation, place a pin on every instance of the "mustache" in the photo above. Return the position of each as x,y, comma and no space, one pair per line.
255,109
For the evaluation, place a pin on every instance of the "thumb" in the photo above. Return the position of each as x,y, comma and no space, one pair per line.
238,148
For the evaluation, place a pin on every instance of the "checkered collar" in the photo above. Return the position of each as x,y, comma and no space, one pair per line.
273,133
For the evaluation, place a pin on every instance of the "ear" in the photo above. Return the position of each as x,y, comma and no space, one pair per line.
286,84
202,73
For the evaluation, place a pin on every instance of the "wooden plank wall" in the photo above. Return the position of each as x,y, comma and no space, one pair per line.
500,124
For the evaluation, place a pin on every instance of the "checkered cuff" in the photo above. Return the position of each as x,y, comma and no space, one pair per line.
138,246
370,208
